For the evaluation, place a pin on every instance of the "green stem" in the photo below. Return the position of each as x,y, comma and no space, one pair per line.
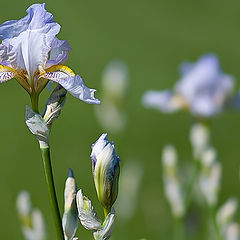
190,187
34,100
106,212
215,225
179,231
51,190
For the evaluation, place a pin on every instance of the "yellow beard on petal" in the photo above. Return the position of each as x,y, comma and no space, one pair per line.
61,68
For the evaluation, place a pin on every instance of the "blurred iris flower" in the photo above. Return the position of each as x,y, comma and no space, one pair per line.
31,53
203,89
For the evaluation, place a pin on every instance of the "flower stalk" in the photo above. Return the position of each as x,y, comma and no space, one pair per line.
45,151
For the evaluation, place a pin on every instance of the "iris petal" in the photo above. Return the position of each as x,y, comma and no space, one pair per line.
59,52
6,74
28,40
73,84
160,100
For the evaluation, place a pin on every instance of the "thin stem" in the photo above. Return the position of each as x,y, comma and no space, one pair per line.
179,231
215,224
51,190
106,212
190,187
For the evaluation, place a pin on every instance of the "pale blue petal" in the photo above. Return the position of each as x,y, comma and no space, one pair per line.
204,107
29,39
74,85
59,52
160,100
204,87
185,67
203,76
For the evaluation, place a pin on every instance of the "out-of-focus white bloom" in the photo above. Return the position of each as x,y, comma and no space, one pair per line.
111,112
33,226
232,232
70,215
203,89
23,203
199,138
105,168
86,213
115,79
172,185
169,156
210,176
129,185
209,156
226,212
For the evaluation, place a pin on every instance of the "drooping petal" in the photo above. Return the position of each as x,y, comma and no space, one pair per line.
161,100
29,39
73,84
204,106
6,73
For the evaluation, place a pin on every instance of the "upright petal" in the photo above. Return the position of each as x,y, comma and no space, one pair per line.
202,76
29,39
59,52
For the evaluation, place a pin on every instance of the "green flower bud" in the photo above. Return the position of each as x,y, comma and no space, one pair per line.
70,216
105,168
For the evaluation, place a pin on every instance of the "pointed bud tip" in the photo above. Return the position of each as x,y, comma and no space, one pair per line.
70,173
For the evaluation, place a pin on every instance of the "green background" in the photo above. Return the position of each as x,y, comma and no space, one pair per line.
153,37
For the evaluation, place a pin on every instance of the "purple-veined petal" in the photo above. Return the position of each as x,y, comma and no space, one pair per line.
160,100
74,85
6,74
28,40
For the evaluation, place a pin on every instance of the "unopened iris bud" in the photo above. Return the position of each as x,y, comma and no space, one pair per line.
70,216
105,168
111,113
86,213
210,176
172,185
199,138
54,105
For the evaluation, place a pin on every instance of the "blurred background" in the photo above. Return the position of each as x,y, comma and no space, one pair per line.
152,37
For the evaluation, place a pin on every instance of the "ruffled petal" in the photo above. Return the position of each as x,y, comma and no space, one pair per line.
74,85
28,40
161,100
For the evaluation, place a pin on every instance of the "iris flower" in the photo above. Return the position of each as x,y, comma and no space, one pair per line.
203,89
31,53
